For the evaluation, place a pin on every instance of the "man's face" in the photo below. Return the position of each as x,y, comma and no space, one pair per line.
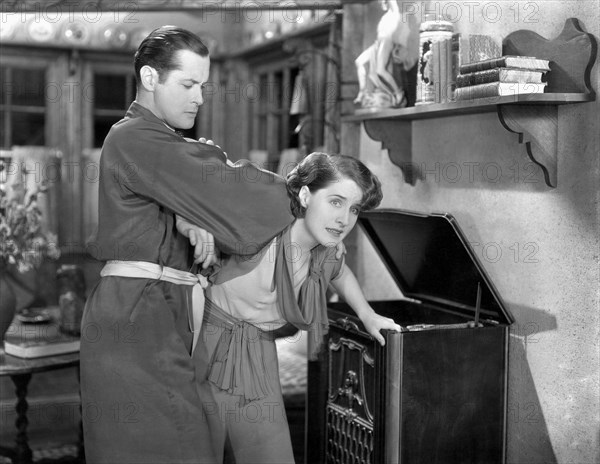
177,99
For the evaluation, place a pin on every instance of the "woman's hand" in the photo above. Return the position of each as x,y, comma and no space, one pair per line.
373,322
349,289
203,242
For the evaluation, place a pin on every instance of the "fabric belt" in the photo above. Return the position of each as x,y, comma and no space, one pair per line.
146,270
237,364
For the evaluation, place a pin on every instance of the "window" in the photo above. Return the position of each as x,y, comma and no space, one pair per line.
274,126
113,93
290,108
23,106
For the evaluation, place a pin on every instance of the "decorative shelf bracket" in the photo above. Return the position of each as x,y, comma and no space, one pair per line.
571,55
537,127
534,117
396,137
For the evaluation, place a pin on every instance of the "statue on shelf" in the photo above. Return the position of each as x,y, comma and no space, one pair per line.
396,43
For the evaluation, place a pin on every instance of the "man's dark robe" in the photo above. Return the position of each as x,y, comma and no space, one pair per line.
142,398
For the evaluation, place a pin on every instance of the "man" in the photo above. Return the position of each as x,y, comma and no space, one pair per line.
141,398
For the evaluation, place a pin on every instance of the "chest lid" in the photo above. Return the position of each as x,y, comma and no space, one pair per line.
431,261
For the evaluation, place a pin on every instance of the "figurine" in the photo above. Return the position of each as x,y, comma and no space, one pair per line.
377,85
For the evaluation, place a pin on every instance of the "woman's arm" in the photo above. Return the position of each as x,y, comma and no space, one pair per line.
349,289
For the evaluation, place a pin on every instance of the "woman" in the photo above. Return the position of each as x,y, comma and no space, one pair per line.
254,301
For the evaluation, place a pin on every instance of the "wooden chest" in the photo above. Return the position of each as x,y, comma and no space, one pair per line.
436,393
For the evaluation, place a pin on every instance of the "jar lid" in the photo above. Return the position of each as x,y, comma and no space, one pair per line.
436,22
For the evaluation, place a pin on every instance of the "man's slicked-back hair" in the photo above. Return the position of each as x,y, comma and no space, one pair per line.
158,50
318,170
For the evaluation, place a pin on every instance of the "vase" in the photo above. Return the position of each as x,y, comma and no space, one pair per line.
8,303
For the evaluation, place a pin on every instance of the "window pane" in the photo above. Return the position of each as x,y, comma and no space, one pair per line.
28,129
4,86
292,136
277,96
102,125
4,135
27,87
263,95
110,91
262,133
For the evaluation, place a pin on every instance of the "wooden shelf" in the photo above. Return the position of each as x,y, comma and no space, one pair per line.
480,105
534,117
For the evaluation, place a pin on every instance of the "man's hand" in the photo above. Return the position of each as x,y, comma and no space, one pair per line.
203,242
210,142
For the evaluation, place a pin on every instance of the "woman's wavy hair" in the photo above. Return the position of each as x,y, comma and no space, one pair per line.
318,170
158,50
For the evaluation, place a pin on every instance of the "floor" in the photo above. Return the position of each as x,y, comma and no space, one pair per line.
50,444
58,442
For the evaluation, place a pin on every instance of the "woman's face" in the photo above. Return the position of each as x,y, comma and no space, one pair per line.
331,212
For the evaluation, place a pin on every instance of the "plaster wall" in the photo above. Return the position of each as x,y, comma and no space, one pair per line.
540,245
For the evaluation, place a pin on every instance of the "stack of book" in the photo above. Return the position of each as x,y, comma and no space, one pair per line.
35,338
505,75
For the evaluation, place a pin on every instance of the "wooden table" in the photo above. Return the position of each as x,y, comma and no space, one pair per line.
20,371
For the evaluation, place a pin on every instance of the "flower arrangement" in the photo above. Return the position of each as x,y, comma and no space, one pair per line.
23,241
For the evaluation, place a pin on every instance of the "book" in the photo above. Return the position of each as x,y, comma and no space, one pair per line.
507,61
497,89
437,71
499,75
36,340
479,47
455,60
444,65
449,78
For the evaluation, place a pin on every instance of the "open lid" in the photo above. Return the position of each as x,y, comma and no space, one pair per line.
431,261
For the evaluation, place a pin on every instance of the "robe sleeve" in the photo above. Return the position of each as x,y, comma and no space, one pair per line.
244,207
